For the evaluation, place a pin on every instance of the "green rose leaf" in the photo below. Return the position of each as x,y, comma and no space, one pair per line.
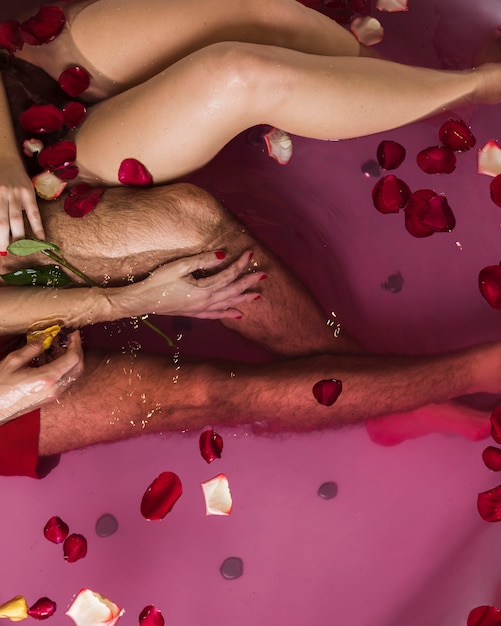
25,247
45,276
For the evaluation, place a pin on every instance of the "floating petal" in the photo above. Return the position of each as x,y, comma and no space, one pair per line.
10,36
42,609
489,504
367,30
428,213
48,186
495,188
161,496
456,135
392,6
43,27
69,173
43,118
495,420
74,548
217,495
58,155
82,199
361,6
32,147
484,616
93,609
489,159
74,80
279,145
489,282
151,616
133,172
15,609
74,114
326,392
390,154
211,445
437,160
390,194
491,456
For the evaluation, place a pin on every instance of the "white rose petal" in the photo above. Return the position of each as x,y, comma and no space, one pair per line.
48,186
217,495
31,147
489,159
367,30
92,609
392,5
279,145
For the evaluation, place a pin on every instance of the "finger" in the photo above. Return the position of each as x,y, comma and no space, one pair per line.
228,275
33,214
234,302
4,225
218,314
232,288
16,219
21,357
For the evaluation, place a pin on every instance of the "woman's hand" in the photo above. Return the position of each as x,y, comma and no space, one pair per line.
17,194
24,388
173,290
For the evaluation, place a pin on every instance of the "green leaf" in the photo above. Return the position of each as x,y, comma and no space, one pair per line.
25,247
44,276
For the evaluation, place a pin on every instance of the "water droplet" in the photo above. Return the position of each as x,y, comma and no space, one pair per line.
371,169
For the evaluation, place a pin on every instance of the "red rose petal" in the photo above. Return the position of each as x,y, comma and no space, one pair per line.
495,420
74,80
42,609
10,36
74,548
211,445
489,504
340,10
82,199
43,118
489,282
70,173
363,7
390,194
56,530
132,172
74,114
454,134
44,26
495,187
326,392
491,456
161,496
484,616
57,156
437,160
390,154
151,616
428,213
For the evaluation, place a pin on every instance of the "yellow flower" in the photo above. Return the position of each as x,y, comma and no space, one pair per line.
46,335
15,609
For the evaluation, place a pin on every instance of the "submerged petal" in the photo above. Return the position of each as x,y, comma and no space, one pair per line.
367,30
133,172
392,5
491,456
428,213
15,609
74,80
437,160
489,282
93,609
495,420
484,616
217,495
43,27
390,154
279,145
82,199
489,159
326,392
10,36
58,155
489,504
74,548
48,186
56,530
42,609
495,187
74,114
456,135
43,118
151,616
161,496
390,194
211,445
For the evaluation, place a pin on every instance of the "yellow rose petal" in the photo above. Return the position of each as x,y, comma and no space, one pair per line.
47,335
15,609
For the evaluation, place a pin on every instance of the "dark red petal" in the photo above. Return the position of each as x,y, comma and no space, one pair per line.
390,194
390,154
437,160
42,609
57,156
10,36
74,548
489,504
428,213
439,215
484,616
496,425
491,456
456,135
44,26
132,172
340,10
74,81
363,7
74,114
489,282
161,496
211,445
327,391
69,173
56,530
82,199
495,187
151,616
43,118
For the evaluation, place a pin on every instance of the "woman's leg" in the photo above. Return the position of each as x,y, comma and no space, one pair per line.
178,120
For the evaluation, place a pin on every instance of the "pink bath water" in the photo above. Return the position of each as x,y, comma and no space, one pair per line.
400,542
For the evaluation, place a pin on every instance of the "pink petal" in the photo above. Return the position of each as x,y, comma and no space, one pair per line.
456,135
211,445
326,392
151,616
489,505
437,160
392,5
74,548
56,530
217,495
10,36
390,154
491,456
390,194
42,609
132,172
279,145
43,27
58,155
43,118
82,199
48,186
74,114
93,609
489,282
495,420
31,147
489,159
484,616
367,30
74,81
161,496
